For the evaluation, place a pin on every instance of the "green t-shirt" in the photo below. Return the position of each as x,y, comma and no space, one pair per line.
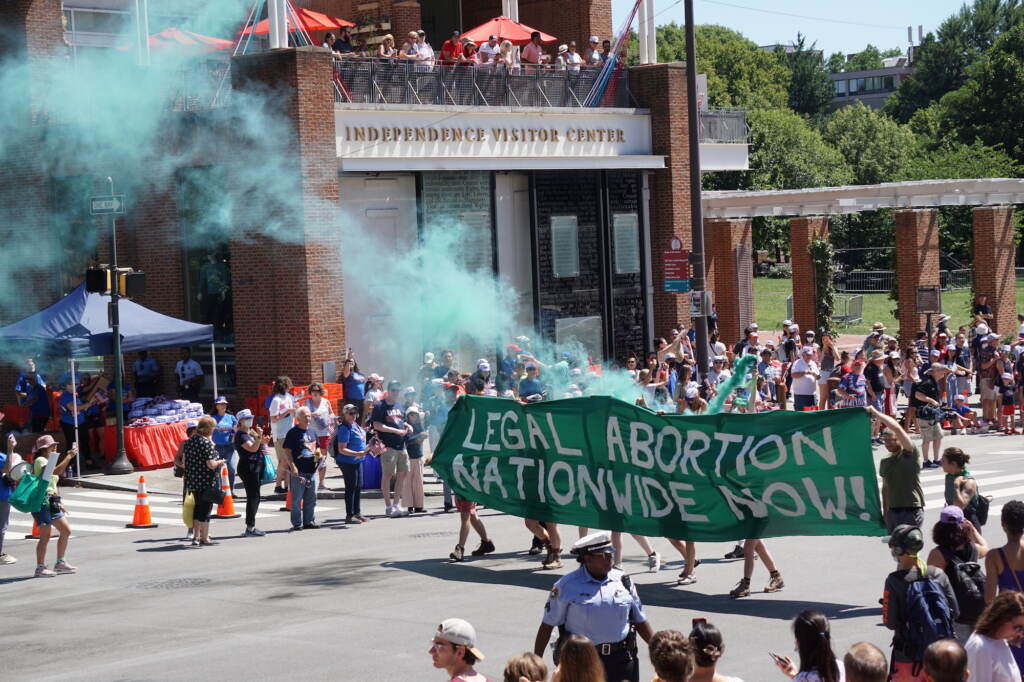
38,465
901,480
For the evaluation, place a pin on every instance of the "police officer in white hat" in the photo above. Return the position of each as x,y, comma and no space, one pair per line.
600,603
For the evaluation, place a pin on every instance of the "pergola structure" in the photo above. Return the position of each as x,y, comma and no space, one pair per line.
727,217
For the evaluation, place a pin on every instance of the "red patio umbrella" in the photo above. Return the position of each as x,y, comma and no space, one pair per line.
505,29
312,21
181,41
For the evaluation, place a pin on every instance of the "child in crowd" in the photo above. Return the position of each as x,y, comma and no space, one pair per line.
1008,395
414,447
964,417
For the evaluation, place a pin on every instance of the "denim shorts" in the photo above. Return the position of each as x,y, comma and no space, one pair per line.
43,517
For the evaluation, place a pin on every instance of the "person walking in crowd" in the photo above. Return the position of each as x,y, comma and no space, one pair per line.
224,436
190,376
1004,568
902,497
708,648
814,645
282,419
989,655
926,397
671,655
958,549
944,661
468,517
960,487
321,424
526,667
454,650
752,548
600,603
389,424
301,457
52,513
578,661
251,444
349,448
202,466
865,662
8,460
917,602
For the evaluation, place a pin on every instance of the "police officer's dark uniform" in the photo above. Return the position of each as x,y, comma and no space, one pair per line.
607,611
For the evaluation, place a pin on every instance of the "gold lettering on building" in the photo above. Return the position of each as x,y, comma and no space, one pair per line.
481,135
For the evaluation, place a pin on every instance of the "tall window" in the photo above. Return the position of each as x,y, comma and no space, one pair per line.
205,232
74,227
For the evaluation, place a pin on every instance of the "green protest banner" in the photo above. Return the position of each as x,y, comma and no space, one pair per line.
604,463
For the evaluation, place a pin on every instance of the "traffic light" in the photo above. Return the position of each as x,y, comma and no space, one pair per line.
97,280
130,284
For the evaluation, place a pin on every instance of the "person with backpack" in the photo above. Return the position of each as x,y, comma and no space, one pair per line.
918,604
959,548
989,650
962,488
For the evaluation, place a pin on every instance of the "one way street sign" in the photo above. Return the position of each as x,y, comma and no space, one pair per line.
107,204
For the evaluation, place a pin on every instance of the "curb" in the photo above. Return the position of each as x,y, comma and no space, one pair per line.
99,484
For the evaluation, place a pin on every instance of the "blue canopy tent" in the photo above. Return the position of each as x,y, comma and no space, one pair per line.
78,325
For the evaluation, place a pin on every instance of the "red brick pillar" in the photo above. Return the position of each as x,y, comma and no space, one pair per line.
802,231
917,263
662,89
993,264
288,302
730,274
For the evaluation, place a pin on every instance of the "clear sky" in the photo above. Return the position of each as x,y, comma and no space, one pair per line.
836,26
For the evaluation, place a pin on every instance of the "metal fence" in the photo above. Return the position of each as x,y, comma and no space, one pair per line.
387,81
849,309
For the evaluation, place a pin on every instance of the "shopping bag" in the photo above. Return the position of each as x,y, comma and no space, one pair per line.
30,494
187,509
269,470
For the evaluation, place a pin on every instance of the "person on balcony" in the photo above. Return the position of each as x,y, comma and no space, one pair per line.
424,52
469,56
387,47
592,55
506,56
451,50
490,50
343,45
409,51
533,52
572,58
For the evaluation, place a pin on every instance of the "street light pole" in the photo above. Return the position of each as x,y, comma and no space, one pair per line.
120,465
697,282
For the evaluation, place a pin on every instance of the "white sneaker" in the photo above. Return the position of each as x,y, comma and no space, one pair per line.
654,563
389,510
44,572
7,559
399,511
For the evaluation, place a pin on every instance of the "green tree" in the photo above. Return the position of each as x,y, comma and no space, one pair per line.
892,52
810,88
866,59
990,105
739,73
942,59
835,62
877,148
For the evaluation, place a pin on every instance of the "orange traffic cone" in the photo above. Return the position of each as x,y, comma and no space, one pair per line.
35,531
226,509
287,501
142,517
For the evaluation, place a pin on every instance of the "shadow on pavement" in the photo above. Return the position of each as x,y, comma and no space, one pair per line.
665,594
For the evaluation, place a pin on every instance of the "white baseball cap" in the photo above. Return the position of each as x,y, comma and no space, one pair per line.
595,39
691,393
428,358
794,328
806,350
459,633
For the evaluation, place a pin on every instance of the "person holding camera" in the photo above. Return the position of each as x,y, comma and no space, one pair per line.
925,396
7,461
202,466
251,444
52,513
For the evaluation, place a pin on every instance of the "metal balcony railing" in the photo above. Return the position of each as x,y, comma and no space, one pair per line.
387,81
724,125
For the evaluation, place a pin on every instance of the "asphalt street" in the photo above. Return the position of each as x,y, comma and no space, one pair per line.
361,603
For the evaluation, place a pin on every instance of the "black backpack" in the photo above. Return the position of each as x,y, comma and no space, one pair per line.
967,578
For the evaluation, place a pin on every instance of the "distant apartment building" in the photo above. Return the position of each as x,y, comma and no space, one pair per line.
872,86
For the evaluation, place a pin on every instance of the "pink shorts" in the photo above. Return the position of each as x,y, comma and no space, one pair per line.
464,505
1009,410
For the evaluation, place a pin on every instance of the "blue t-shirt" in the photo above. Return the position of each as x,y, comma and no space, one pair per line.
301,444
224,433
21,385
41,406
5,492
393,416
66,406
355,386
352,437
414,441
528,387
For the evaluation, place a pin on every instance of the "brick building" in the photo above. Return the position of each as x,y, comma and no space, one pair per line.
571,205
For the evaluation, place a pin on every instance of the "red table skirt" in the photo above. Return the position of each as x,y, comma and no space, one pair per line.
148,447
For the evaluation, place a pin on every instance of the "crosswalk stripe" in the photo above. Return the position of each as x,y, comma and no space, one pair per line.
1006,452
117,518
130,508
939,474
76,527
988,481
105,495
